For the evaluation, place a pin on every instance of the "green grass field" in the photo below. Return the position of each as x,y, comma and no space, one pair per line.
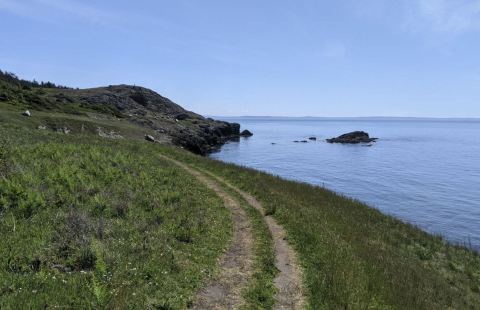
88,222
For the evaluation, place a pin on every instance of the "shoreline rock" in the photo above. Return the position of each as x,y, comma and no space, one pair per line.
246,133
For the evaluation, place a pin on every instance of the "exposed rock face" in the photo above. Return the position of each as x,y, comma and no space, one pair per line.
107,134
182,116
146,108
312,138
207,137
353,138
246,133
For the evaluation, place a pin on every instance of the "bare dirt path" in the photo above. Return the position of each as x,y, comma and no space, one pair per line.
290,292
225,292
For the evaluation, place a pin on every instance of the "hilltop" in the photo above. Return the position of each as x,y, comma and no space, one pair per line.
165,120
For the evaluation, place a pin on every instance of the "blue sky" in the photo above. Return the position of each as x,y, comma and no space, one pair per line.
250,57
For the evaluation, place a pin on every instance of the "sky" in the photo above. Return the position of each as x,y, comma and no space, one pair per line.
342,58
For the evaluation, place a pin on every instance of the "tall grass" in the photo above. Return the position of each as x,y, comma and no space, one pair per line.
91,223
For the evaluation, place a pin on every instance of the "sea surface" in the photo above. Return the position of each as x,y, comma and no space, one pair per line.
423,171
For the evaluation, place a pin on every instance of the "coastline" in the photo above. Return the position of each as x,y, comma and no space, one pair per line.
139,231
351,254
348,236
398,175
465,244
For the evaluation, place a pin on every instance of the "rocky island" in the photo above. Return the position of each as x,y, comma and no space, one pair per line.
353,138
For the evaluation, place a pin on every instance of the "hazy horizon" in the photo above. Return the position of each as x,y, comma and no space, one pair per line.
410,58
348,117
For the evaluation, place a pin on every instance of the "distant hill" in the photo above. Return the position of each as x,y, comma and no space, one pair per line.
137,105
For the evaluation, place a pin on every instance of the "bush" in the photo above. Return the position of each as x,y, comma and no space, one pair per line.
4,163
72,242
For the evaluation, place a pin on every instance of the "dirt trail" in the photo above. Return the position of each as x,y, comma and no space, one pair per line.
225,292
290,293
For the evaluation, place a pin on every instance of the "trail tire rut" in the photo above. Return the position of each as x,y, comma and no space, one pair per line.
236,264
290,291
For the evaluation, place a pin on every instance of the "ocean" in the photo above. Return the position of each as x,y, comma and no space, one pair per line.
423,171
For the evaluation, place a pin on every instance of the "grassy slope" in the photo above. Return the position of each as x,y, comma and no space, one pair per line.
354,256
77,123
134,231
47,99
17,132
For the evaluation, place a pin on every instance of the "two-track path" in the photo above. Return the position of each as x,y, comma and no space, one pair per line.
289,279
225,292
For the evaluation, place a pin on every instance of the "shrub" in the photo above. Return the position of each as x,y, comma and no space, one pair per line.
72,242
4,163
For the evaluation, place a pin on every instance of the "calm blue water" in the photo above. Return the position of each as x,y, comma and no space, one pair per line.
426,172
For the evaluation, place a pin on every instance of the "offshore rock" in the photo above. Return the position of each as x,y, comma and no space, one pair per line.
353,138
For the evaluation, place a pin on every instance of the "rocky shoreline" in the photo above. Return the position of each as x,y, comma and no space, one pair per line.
209,138
169,120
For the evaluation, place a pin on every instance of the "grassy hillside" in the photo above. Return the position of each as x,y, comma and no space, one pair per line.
132,105
89,221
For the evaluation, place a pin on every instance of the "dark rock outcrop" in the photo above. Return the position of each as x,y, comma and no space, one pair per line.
209,138
353,138
246,133
312,139
182,116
